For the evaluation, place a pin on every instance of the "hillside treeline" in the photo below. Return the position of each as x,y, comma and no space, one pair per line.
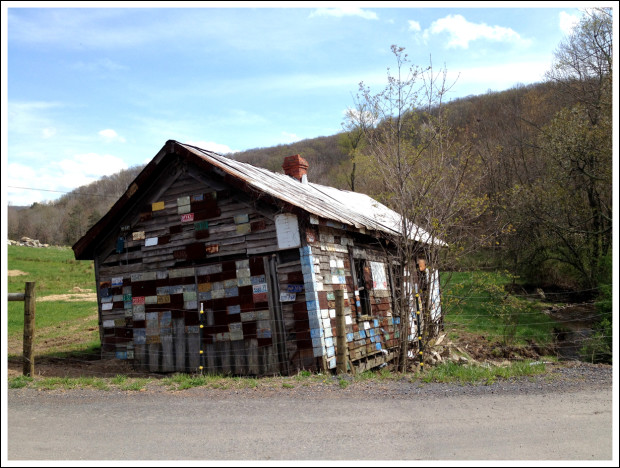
539,170
64,221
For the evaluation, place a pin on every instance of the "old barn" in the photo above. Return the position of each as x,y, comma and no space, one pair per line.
207,263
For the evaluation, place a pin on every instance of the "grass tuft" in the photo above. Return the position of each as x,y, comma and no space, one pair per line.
450,372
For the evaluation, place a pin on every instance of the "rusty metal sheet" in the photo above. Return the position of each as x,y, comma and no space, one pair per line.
260,297
212,248
204,287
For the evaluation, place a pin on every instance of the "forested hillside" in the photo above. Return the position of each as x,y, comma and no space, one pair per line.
533,164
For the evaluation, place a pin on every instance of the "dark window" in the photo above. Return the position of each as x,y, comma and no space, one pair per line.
361,284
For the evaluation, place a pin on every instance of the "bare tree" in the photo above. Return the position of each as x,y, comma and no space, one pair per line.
414,165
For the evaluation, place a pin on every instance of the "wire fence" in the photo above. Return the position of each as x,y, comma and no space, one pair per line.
229,360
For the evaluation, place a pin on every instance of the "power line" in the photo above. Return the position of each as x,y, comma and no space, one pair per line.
60,191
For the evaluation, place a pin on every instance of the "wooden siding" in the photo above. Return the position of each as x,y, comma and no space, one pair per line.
193,243
372,336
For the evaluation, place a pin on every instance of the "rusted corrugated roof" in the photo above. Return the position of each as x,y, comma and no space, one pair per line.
338,206
341,206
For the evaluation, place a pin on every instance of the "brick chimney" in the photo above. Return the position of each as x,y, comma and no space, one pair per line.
296,167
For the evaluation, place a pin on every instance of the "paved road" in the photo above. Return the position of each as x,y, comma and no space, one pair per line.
203,425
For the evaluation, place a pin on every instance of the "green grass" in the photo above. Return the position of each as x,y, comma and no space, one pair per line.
64,327
135,385
60,315
450,372
54,270
20,382
474,302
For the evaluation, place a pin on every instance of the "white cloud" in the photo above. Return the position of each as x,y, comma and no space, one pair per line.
23,117
110,135
90,166
211,146
100,65
344,11
48,132
51,181
568,22
498,77
461,32
290,137
414,26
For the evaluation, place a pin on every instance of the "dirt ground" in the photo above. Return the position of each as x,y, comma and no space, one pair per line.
16,273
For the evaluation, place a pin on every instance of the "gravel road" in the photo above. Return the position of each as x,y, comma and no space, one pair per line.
564,415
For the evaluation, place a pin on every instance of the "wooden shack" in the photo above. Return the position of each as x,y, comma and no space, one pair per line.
210,264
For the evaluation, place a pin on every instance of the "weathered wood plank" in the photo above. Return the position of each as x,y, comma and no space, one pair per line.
239,360
251,349
223,353
154,352
210,359
193,351
140,357
178,330
167,361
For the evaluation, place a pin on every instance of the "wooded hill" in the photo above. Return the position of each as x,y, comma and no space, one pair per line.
499,126
534,165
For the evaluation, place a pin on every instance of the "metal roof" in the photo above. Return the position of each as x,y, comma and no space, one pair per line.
340,206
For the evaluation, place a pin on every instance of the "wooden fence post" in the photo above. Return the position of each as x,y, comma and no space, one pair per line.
29,311
341,341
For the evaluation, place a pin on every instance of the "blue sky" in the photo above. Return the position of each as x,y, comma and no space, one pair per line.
90,91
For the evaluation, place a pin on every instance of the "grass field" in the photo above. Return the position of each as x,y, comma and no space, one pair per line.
66,307
476,302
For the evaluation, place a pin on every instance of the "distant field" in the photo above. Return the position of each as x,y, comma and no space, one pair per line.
66,307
